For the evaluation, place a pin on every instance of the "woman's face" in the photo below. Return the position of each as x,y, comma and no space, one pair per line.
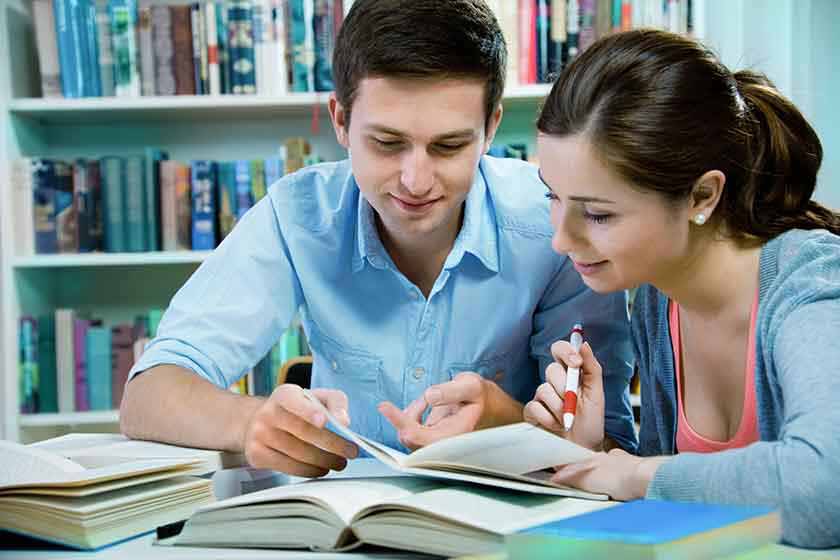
616,235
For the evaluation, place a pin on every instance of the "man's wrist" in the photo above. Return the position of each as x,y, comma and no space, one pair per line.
499,407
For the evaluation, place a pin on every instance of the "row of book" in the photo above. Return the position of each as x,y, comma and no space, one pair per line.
102,48
140,203
92,48
544,35
70,362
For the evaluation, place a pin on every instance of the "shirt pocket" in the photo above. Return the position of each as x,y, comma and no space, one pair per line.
355,372
493,368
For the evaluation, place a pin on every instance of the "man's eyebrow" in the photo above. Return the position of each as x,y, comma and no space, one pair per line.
454,134
577,198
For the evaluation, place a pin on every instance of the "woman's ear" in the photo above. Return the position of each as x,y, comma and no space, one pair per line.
705,196
340,121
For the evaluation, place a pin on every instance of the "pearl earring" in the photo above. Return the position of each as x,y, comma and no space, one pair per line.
700,219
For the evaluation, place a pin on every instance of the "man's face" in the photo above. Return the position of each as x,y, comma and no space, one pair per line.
415,146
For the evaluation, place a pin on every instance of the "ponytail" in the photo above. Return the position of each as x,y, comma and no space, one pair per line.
779,175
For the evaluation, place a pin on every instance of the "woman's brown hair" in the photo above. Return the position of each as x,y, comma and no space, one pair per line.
661,110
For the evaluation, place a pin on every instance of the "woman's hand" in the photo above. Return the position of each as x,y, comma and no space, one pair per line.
620,475
546,409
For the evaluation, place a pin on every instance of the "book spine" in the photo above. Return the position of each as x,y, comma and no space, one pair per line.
162,50
65,363
222,43
273,171
135,202
226,195
28,364
556,53
183,208
195,38
202,45
113,203
43,183
241,43
124,44
244,197
98,356
301,64
65,212
182,50
257,179
168,205
72,81
106,52
543,8
280,39
83,201
204,206
22,199
211,32
527,42
263,77
97,224
151,193
587,24
83,387
122,358
147,51
572,30
90,48
45,39
48,382
324,40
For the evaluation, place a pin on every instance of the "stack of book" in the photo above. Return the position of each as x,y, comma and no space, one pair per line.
87,491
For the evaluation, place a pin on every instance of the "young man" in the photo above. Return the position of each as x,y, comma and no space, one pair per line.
423,271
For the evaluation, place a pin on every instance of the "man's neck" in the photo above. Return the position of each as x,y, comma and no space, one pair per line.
421,258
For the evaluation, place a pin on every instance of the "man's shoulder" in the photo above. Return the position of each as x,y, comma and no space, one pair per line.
518,196
316,196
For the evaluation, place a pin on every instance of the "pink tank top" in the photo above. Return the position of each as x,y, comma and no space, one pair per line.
687,438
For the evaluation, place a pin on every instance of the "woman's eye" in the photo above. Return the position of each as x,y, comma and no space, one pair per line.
551,196
597,218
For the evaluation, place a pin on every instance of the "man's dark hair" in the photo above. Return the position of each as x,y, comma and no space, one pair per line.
420,39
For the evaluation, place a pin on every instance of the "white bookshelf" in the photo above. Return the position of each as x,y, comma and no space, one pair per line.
108,259
51,420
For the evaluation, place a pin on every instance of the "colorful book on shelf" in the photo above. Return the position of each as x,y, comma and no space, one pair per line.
85,387
404,512
515,457
48,387
121,359
203,205
135,204
28,364
90,490
43,15
124,44
112,176
651,529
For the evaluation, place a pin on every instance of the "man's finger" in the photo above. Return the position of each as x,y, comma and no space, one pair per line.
394,415
438,413
318,437
292,399
465,387
336,403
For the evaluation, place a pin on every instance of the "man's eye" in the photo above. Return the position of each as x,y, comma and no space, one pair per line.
449,147
387,144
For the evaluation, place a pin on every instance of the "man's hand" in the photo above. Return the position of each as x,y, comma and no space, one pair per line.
465,404
287,433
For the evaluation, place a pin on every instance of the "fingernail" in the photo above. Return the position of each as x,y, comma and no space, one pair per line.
319,419
433,396
344,416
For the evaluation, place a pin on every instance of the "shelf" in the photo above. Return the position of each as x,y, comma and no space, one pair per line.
98,110
76,260
47,419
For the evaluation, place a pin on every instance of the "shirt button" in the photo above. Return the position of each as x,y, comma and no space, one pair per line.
419,372
412,294
335,365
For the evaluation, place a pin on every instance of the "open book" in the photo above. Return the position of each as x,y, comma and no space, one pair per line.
89,490
406,512
513,456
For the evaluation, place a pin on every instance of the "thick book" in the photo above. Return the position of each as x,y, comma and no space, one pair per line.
515,457
406,512
644,529
90,490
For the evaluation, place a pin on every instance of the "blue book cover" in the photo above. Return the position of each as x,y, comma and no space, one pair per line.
241,55
90,48
68,40
151,195
48,387
65,212
113,203
28,364
244,196
301,56
43,206
98,357
203,205
226,196
323,28
85,199
273,170
135,204
692,530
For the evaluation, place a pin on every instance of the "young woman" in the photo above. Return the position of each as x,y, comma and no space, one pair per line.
669,172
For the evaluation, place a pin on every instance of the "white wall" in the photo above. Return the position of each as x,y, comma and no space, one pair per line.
792,41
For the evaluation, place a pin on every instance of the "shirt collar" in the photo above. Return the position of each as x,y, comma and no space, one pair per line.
478,234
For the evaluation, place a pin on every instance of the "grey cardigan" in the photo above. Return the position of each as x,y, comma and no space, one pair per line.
796,465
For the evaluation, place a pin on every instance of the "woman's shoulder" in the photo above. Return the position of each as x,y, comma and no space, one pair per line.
801,264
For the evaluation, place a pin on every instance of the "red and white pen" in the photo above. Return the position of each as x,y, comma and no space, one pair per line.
572,381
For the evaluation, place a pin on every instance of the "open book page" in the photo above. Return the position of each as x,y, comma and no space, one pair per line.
23,464
495,511
345,496
516,448
97,450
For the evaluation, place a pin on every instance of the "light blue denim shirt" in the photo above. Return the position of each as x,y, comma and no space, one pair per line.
502,298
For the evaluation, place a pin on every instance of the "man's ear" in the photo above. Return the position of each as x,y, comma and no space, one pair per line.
340,121
492,126
706,194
